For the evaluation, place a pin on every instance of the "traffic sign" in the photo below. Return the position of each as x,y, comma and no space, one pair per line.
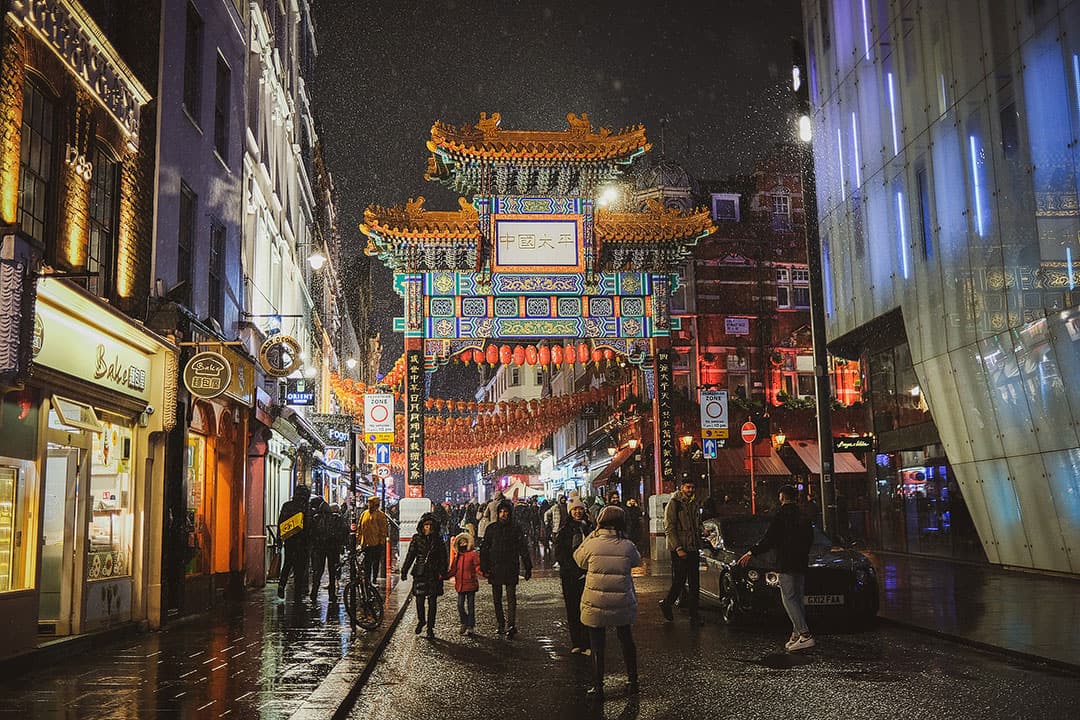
749,432
715,434
378,413
708,448
380,437
382,454
382,471
714,410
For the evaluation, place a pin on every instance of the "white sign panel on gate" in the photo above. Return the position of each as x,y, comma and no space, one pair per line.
378,413
410,510
714,410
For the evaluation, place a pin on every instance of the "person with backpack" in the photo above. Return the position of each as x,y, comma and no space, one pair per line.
294,523
791,535
428,562
326,542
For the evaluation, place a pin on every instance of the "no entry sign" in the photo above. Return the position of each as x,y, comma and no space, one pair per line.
749,432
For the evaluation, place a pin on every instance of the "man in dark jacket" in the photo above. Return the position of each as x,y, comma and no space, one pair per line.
502,553
328,537
791,535
297,542
572,533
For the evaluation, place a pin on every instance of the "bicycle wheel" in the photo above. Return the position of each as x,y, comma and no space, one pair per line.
349,594
370,613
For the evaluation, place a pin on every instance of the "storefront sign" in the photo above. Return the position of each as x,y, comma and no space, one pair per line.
207,375
70,32
857,444
334,429
279,356
736,326
242,385
299,392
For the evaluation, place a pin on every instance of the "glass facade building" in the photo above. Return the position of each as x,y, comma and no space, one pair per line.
946,139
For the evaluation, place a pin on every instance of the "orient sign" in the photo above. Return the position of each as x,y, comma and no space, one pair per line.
207,375
280,356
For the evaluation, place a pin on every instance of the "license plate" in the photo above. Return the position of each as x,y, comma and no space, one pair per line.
824,599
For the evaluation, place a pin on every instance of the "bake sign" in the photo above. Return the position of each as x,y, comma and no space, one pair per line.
207,375
115,371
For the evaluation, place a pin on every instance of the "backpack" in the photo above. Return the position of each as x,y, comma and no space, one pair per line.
322,527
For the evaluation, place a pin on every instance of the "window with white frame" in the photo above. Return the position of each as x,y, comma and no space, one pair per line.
781,212
725,207
792,288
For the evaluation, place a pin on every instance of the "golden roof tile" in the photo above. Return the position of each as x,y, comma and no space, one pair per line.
655,224
412,221
486,140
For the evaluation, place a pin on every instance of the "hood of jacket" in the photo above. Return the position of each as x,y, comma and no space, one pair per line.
467,537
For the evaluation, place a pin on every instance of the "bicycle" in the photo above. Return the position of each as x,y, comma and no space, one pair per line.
363,602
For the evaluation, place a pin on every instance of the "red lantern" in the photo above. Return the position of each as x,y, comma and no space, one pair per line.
519,355
609,354
505,354
583,353
531,356
492,354
557,355
543,355
597,356
478,356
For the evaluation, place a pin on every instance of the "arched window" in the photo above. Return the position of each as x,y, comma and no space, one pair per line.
37,162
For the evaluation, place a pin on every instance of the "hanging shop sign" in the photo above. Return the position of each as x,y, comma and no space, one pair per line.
856,444
299,392
242,385
207,375
665,410
279,356
333,428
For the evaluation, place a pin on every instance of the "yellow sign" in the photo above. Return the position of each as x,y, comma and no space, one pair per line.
291,526
714,433
379,437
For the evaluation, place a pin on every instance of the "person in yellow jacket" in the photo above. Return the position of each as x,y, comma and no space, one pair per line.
372,532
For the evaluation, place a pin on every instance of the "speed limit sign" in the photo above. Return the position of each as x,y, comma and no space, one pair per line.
382,471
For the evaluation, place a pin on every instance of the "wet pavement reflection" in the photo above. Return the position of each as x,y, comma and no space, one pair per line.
258,657
707,672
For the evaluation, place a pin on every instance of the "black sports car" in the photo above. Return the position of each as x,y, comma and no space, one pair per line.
839,581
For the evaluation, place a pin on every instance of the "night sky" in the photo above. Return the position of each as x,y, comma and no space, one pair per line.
716,73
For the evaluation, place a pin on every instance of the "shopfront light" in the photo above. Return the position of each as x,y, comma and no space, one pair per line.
316,260
805,133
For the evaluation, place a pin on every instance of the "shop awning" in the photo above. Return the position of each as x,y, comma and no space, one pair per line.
616,461
732,461
843,463
296,427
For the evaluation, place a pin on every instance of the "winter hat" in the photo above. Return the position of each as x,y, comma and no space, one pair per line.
612,516
575,503
466,537
504,504
428,517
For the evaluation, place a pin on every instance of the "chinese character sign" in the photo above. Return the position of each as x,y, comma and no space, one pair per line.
414,418
551,243
665,414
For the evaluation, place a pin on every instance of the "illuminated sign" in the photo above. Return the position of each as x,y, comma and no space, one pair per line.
280,355
861,443
299,392
207,375
527,241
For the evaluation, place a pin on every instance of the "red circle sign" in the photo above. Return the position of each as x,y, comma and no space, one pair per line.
749,432
379,413
714,410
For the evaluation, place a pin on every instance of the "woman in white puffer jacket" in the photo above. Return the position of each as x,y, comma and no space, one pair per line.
609,599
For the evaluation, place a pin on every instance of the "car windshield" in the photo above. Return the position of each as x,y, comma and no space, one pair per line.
743,532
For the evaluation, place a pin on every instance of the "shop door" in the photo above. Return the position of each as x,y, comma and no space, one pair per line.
66,470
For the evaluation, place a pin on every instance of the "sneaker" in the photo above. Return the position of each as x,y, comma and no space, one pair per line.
666,609
804,642
500,630
575,651
586,652
511,632
281,592
430,634
419,628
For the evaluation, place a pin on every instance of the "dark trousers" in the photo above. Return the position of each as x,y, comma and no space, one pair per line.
572,589
374,560
466,608
511,603
320,561
296,563
685,571
597,638
432,604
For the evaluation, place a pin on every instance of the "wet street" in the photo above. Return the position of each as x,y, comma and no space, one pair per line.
713,671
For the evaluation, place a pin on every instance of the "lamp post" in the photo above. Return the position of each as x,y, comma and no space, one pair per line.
822,392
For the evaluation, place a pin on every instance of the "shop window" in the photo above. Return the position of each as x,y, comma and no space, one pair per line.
36,162
111,519
73,414
18,479
198,532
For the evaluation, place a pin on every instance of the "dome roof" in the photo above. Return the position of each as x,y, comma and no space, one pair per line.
664,173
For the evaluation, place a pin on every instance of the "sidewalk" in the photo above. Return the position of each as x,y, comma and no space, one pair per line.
256,658
1026,614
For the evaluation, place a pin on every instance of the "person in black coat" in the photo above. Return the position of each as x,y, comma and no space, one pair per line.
429,560
502,554
297,546
791,535
570,536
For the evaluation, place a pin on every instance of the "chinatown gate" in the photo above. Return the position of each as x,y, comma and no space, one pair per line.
530,255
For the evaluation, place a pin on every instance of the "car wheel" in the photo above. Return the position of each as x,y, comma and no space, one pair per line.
730,613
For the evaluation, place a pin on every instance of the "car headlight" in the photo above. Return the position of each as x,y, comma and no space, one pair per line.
752,575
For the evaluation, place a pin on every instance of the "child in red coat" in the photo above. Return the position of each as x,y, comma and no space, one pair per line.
465,569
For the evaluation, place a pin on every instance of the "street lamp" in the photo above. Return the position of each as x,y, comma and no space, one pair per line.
316,260
779,439
350,363
685,441
611,451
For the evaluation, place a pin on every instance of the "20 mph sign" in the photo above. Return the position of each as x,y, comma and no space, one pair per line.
379,414
714,419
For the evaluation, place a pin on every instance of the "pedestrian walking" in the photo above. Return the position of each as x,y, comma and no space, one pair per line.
682,526
328,537
427,559
372,532
489,514
609,599
572,533
465,569
502,555
633,521
293,528
791,535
